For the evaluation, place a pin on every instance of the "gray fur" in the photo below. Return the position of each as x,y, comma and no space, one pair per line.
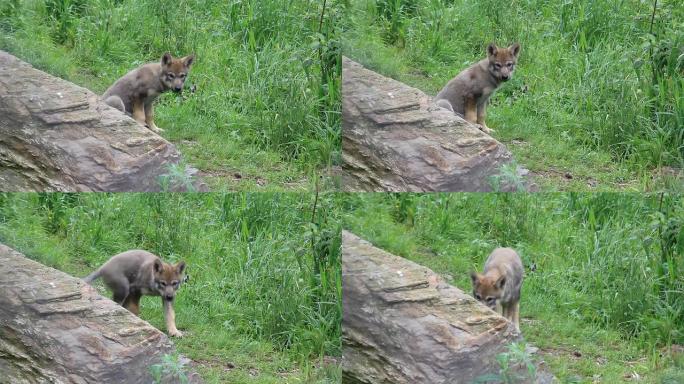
509,265
444,103
128,272
134,84
116,102
476,82
468,93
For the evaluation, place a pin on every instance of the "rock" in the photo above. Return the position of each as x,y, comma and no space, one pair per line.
402,324
394,140
55,328
57,136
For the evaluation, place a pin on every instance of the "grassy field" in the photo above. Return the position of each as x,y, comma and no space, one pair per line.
603,296
265,113
263,301
597,100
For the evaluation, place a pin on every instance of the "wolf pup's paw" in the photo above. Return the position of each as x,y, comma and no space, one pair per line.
154,128
486,129
176,333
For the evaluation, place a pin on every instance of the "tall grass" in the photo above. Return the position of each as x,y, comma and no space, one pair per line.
594,77
266,74
598,264
264,268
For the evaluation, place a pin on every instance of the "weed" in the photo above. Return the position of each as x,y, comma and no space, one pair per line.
171,369
515,366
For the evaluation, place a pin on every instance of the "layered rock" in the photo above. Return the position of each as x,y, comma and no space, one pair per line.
54,328
402,324
57,136
393,139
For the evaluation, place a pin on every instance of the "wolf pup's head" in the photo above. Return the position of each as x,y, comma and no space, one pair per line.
168,278
487,289
175,71
502,60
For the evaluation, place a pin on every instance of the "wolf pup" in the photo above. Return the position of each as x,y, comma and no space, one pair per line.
467,94
132,274
500,283
136,91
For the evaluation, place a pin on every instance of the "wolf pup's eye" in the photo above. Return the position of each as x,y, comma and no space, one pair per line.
170,75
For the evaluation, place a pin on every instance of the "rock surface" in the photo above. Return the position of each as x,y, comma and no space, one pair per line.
55,328
403,324
56,136
394,140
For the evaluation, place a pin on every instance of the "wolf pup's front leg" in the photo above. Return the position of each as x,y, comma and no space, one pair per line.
149,118
170,316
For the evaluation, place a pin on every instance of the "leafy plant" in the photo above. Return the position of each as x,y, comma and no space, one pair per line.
170,369
515,366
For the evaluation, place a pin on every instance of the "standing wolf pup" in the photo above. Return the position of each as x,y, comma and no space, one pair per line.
135,92
468,93
501,282
132,274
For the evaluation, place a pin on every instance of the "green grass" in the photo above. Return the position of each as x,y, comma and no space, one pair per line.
265,115
596,103
263,301
603,296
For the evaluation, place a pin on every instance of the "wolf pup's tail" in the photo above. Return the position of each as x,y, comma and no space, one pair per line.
92,277
444,104
116,102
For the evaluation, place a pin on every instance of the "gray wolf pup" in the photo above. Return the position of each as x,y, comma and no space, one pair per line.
136,91
500,283
468,93
132,274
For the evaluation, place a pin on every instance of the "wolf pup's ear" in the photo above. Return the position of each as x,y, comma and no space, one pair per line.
166,59
514,49
500,283
188,60
474,277
158,266
180,267
491,49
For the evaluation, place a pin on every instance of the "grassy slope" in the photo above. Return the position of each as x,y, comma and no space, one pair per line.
265,115
591,304
580,103
254,310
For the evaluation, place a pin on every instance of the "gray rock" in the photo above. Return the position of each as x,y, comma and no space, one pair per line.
57,136
55,328
393,139
403,324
